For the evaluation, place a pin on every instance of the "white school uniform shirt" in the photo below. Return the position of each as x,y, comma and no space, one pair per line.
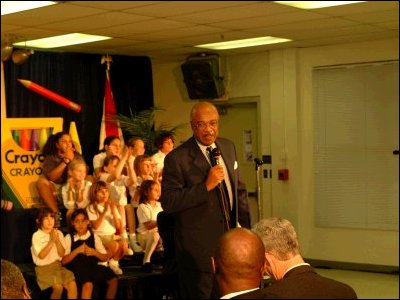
117,188
132,190
98,244
107,227
146,213
98,160
158,159
39,240
71,204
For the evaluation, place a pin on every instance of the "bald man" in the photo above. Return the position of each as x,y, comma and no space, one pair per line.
13,284
239,265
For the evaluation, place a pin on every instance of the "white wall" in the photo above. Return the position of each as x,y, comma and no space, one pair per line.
282,80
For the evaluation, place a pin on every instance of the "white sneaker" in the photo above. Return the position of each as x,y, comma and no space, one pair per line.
103,263
135,246
114,266
129,252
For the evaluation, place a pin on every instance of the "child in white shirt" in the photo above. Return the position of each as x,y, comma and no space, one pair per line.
105,219
75,192
84,251
112,146
147,212
118,183
48,248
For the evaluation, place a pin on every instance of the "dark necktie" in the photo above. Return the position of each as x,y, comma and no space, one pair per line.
224,195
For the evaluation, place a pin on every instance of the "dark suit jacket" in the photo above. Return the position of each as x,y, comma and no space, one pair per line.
303,282
198,216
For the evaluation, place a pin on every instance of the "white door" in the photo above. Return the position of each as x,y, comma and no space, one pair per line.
238,122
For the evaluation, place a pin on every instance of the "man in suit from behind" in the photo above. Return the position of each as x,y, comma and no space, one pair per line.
193,192
292,278
238,265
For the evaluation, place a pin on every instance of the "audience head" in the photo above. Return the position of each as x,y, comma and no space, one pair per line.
239,260
281,245
137,146
149,190
98,192
204,120
164,142
45,218
59,142
77,169
80,221
143,165
112,145
13,284
110,163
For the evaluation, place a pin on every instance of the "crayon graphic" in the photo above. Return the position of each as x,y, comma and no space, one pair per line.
16,137
25,142
50,94
74,136
35,139
42,137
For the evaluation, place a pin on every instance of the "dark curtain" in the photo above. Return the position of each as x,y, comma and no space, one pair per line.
79,78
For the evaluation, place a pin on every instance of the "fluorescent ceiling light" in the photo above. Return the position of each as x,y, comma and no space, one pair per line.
265,40
9,7
315,4
62,40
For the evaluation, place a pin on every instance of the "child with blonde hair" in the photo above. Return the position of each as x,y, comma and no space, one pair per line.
75,192
105,219
48,248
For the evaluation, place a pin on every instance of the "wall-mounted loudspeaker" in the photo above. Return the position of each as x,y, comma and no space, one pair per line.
201,76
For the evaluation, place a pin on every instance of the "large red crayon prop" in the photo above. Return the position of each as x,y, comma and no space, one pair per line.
49,94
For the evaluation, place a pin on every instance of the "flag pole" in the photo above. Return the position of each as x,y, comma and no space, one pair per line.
109,125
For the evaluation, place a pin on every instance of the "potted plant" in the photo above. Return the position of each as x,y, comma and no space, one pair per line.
142,124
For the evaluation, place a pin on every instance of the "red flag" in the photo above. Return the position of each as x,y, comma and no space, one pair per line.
109,125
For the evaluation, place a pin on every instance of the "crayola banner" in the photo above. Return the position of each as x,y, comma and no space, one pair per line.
21,157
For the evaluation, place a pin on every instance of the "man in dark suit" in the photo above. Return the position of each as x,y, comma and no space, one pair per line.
239,265
292,278
193,191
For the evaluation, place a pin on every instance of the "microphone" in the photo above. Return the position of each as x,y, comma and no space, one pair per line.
216,154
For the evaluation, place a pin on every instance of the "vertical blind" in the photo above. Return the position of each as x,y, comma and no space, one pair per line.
356,129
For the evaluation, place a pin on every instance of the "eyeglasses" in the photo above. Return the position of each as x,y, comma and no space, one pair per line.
203,125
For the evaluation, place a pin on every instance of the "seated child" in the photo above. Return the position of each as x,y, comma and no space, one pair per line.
75,192
147,212
105,220
112,146
48,248
84,251
118,183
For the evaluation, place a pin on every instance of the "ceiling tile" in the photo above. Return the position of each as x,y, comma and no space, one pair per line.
49,14
96,21
170,29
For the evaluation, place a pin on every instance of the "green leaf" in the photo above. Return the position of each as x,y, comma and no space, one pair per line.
142,124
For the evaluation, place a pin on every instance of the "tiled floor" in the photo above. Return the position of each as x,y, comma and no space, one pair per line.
367,285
